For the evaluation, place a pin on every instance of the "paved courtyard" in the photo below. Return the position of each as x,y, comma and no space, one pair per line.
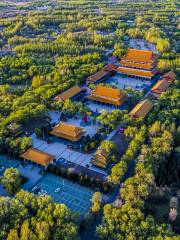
90,128
60,150
142,44
99,107
75,196
55,115
125,82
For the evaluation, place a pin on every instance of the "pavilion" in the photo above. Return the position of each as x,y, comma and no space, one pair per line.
142,109
67,131
140,64
15,129
72,93
38,157
101,158
108,95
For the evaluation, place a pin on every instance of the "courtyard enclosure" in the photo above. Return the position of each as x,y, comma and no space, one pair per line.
92,167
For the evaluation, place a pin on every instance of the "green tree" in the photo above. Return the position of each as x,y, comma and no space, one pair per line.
38,132
96,202
11,180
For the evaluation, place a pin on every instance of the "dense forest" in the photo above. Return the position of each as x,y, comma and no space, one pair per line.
44,52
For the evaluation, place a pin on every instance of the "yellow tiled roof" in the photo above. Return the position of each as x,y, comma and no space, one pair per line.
137,65
102,73
68,94
68,131
108,95
142,109
139,55
97,76
34,155
136,72
160,86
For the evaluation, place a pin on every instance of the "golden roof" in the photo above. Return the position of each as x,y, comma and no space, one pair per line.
108,95
97,76
34,155
139,55
68,131
142,109
102,73
68,94
160,86
147,66
136,72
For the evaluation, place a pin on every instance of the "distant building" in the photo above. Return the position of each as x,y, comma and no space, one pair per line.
142,109
15,129
72,93
68,132
160,87
101,75
38,157
108,95
130,22
169,76
140,64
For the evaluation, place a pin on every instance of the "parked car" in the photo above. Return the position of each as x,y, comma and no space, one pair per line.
57,190
35,190
61,160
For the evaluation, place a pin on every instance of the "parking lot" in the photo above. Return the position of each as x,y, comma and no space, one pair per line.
75,196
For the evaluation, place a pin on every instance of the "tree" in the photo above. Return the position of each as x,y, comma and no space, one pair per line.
163,45
109,146
38,132
130,132
29,217
13,235
11,180
96,202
